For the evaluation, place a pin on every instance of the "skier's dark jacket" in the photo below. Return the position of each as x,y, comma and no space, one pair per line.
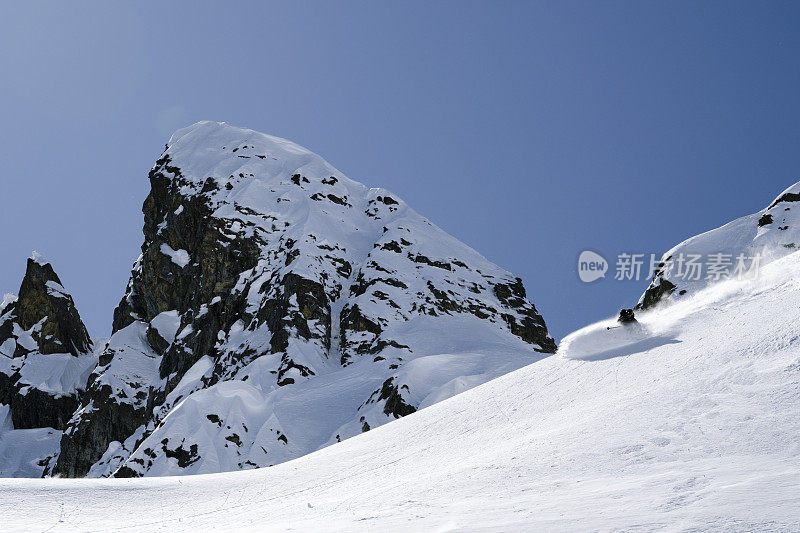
626,317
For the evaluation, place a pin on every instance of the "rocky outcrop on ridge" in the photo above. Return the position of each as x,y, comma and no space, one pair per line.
44,350
735,250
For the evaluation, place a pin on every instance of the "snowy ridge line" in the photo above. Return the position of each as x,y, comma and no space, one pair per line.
747,244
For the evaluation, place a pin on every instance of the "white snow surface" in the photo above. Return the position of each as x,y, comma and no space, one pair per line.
179,257
39,258
167,324
697,431
23,450
59,374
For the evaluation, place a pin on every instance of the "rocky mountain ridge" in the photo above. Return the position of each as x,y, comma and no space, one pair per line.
736,250
45,350
279,307
45,360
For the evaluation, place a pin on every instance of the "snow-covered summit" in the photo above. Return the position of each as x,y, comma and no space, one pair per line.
279,307
737,249
39,258
240,159
221,150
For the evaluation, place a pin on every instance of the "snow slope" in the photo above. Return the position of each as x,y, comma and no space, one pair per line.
736,250
696,430
24,452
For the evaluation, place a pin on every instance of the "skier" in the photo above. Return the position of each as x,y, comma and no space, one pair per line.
627,319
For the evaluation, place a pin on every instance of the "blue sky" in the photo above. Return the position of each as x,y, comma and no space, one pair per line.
529,130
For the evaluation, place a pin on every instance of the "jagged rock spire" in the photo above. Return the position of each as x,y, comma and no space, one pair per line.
45,351
46,312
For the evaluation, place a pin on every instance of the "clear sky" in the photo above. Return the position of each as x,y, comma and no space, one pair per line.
529,130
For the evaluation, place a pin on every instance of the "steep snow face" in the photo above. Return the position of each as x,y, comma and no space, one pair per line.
696,432
739,248
279,307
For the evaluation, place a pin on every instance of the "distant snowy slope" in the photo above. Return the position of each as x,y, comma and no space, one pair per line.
696,430
737,249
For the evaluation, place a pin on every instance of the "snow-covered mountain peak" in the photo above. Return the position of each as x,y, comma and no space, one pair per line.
252,169
254,179
45,312
268,281
223,152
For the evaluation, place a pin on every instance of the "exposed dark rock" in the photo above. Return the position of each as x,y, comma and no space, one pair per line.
7,388
388,200
787,197
184,457
419,258
156,341
394,403
44,314
361,285
528,324
126,472
44,303
335,199
106,419
658,289
393,246
33,408
352,320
